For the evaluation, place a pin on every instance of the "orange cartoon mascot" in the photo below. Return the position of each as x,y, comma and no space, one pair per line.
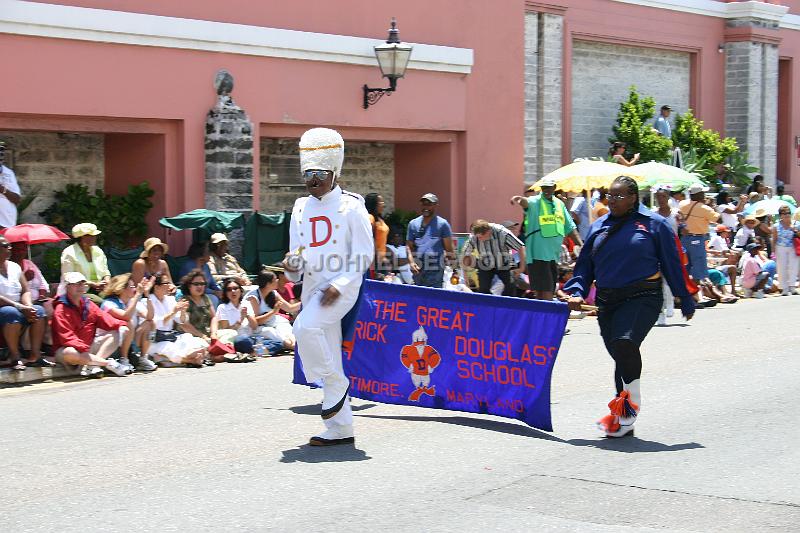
420,360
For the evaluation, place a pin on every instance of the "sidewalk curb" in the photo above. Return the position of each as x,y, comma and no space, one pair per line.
30,375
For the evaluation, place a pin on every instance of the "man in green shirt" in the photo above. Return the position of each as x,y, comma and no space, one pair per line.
547,222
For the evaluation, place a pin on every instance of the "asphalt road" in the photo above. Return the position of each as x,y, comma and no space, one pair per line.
222,448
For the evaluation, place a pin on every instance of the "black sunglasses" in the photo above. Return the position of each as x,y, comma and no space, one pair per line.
5,245
198,284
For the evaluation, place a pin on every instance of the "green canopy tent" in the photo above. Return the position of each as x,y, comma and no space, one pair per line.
204,222
266,240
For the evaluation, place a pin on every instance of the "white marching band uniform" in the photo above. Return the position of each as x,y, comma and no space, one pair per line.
332,240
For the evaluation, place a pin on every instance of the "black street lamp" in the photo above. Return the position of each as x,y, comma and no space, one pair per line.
393,59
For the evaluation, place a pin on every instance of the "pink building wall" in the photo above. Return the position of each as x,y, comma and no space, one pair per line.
59,77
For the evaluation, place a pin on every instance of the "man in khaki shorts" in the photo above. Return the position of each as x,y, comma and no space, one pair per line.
75,323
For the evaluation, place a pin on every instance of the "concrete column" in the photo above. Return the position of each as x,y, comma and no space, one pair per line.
751,93
531,96
544,48
229,157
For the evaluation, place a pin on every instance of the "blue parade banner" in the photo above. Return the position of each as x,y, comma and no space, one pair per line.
450,350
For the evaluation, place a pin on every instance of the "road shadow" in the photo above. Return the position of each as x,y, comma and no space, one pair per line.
676,325
478,423
633,445
314,408
324,454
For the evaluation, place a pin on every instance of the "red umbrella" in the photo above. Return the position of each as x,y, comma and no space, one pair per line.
33,234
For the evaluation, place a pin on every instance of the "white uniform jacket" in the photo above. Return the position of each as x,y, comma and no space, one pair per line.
337,241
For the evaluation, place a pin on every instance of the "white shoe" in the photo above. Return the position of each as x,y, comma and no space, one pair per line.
759,294
784,293
748,293
669,313
333,436
145,364
662,320
125,362
116,368
91,371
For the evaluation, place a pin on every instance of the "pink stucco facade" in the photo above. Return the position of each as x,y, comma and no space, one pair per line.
457,134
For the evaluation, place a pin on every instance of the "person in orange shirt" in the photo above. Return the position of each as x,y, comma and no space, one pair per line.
380,230
421,360
697,216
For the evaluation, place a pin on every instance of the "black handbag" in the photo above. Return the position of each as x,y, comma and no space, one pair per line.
166,335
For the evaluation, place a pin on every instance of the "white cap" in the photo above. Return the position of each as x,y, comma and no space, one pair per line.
696,188
218,238
547,182
74,277
322,149
419,335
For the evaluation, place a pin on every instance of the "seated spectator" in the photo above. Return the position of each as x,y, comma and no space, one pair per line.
86,257
763,230
122,301
286,289
75,324
197,258
617,154
200,310
746,234
754,277
716,286
171,347
223,265
234,314
564,275
37,285
267,304
151,261
17,311
718,244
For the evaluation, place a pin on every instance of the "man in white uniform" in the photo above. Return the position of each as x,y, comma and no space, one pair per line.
9,192
331,247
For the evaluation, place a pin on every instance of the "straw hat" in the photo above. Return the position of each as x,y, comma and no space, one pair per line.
150,243
760,213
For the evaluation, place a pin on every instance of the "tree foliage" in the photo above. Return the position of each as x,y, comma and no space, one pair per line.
634,128
689,133
121,218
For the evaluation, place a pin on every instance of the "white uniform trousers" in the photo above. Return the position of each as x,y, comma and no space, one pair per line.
318,330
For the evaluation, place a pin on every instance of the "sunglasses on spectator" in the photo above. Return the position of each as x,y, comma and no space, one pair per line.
198,284
5,245
309,175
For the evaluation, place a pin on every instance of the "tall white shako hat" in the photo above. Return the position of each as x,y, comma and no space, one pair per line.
322,149
419,335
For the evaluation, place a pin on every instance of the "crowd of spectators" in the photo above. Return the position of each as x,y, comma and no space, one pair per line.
726,253
142,319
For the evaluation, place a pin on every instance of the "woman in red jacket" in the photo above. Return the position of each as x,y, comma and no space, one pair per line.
76,320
